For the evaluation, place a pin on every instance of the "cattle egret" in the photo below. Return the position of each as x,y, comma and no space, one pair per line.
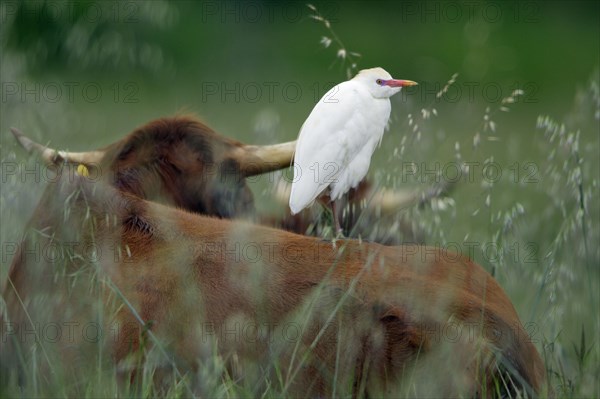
336,142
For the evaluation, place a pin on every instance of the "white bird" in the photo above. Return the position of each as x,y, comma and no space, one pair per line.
336,142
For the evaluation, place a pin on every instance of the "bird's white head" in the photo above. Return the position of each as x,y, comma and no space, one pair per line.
380,83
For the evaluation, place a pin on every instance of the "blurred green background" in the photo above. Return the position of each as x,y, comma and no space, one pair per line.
80,75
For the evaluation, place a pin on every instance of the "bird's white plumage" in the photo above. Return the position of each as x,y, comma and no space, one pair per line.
339,137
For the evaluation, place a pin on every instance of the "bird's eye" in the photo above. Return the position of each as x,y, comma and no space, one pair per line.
379,81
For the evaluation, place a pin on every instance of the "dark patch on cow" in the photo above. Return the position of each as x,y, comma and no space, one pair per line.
403,337
230,195
136,224
127,149
127,180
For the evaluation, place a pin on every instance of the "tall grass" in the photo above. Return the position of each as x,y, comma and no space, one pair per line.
543,228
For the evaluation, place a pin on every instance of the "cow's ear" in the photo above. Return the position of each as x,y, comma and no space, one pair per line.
54,157
257,159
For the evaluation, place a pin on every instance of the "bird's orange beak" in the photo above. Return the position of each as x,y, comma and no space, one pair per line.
400,83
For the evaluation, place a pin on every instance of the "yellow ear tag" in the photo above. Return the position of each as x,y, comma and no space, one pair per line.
83,170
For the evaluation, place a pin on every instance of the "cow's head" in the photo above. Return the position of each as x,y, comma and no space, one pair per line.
177,161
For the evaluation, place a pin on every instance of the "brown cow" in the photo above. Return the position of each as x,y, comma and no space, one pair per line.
210,300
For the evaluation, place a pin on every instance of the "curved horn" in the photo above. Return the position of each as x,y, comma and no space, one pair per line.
258,159
52,156
392,201
385,200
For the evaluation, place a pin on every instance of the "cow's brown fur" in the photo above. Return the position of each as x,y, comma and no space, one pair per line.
371,318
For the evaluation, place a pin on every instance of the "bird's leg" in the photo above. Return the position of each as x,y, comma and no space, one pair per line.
339,233
328,203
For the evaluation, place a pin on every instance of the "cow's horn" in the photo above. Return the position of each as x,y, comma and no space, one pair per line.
257,159
392,201
54,157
